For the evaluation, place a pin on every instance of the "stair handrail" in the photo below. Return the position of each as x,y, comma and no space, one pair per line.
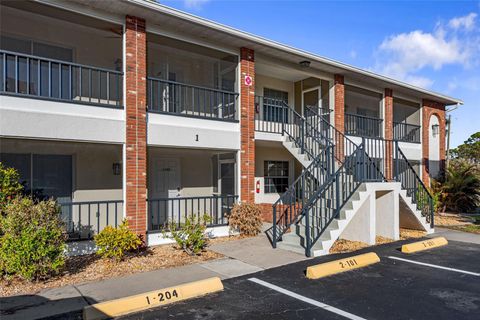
357,168
418,192
349,155
319,170
290,197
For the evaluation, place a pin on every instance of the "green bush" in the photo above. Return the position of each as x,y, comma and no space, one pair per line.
115,243
246,218
33,242
461,187
10,185
191,237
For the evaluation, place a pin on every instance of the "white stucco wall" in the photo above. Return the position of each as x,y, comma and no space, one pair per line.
177,131
42,119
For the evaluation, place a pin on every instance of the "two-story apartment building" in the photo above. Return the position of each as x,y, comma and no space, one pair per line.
131,109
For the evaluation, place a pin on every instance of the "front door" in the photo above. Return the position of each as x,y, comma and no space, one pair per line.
166,178
165,188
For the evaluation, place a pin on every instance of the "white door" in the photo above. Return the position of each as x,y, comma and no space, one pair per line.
165,186
166,178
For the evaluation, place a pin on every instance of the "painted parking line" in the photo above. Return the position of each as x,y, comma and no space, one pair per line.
307,300
436,266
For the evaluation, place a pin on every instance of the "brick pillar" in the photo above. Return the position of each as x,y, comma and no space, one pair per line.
247,125
339,110
429,109
136,126
388,133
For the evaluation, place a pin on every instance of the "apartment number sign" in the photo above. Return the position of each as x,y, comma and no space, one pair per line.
248,80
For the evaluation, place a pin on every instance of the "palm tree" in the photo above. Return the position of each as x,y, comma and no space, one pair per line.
461,188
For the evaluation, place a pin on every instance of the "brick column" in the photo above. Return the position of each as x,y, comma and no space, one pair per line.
136,126
429,109
388,121
339,110
247,125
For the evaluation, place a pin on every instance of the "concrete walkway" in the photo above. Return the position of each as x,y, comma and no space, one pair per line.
456,235
242,257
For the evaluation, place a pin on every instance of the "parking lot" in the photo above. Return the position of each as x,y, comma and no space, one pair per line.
441,283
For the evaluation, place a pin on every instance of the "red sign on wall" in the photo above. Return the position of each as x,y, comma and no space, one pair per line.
248,80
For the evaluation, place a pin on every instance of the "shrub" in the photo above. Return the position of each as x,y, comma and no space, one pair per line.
33,243
246,218
10,185
190,237
461,188
115,243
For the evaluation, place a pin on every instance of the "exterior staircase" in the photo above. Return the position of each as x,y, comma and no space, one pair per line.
314,211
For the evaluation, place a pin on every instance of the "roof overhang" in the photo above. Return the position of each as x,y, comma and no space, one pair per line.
173,20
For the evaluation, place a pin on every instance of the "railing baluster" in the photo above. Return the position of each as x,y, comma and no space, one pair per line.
16,74
4,75
49,79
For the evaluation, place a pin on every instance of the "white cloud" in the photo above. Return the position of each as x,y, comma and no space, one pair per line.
403,56
194,4
466,22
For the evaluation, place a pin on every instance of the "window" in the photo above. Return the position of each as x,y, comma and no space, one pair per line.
43,176
276,176
274,102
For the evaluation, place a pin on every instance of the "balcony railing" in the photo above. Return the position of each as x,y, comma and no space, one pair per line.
37,77
406,132
85,219
188,100
362,126
171,212
272,114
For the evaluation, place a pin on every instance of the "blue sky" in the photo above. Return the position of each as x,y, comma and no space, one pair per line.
433,44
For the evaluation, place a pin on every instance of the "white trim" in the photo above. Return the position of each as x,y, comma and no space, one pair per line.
306,300
436,266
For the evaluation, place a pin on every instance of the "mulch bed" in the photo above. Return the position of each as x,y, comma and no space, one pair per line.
342,246
88,268
450,219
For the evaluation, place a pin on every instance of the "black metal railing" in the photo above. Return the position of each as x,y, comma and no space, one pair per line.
84,219
33,76
406,132
189,100
270,114
327,203
411,182
312,135
362,126
167,213
288,207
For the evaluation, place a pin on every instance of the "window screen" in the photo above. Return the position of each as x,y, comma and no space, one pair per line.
276,176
